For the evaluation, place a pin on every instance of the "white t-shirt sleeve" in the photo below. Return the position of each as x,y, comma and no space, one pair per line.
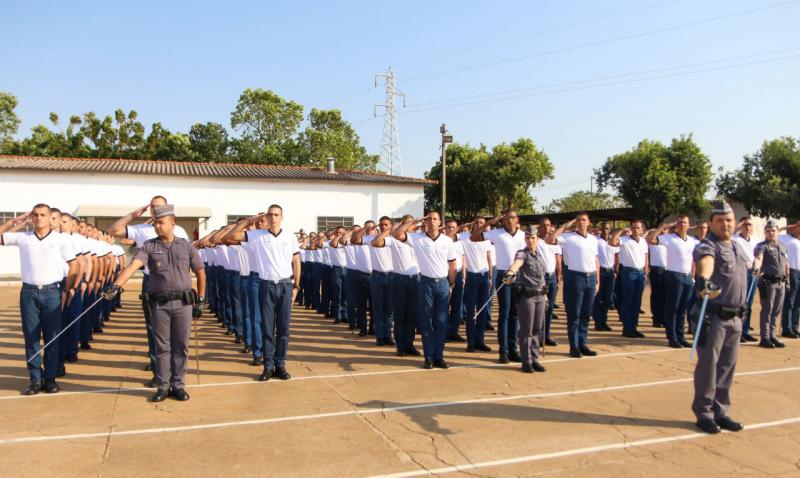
67,249
180,232
491,235
453,253
11,238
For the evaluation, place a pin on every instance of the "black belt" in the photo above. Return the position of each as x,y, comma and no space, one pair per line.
725,312
773,279
526,291
161,297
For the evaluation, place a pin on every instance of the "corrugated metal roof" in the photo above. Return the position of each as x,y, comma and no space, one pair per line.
218,170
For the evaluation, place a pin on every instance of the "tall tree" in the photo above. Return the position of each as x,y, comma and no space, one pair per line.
467,193
658,180
328,135
768,184
267,123
9,122
584,201
209,142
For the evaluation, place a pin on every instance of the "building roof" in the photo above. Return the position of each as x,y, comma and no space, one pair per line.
212,170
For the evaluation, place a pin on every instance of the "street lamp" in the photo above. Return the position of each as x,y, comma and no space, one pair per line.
447,138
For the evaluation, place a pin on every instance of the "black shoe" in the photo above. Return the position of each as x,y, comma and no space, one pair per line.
229,332
556,306
728,423
628,335
638,334
152,383
246,349
238,339
587,351
550,342
606,328
34,388
281,373
489,327
483,348
400,353
148,368
440,364
97,330
766,343
71,358
362,333
470,349
179,395
351,326
527,368
85,346
257,361
389,342
575,353
749,338
503,358
380,342
337,321
456,338
538,367
675,345
708,425
786,334
264,377
413,352
159,396
428,364
514,356
61,371
777,343
685,343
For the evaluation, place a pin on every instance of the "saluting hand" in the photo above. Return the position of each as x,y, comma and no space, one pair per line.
140,211
20,219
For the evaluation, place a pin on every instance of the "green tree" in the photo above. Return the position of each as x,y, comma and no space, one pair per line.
482,182
658,180
209,142
328,135
768,184
162,144
267,123
584,201
9,122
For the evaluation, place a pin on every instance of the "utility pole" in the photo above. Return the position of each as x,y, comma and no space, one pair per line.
447,138
390,138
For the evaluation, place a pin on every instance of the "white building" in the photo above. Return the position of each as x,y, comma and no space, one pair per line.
206,196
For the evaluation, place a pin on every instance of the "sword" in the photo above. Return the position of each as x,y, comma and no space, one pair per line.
196,351
64,329
487,302
751,290
699,325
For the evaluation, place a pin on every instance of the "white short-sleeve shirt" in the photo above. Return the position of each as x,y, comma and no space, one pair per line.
139,233
458,247
380,257
658,255
433,256
506,245
41,259
475,253
679,252
748,245
242,260
350,256
633,253
275,253
606,253
792,248
404,260
363,259
338,255
579,252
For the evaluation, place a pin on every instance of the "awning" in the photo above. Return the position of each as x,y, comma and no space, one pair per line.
92,210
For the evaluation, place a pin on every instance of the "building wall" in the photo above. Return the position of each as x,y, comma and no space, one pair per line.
302,201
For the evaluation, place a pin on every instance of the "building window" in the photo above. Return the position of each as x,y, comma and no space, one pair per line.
325,223
233,219
6,215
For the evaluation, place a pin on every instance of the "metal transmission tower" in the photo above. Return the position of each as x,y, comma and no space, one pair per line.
390,140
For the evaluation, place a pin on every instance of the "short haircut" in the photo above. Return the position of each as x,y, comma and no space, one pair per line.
746,218
682,215
55,210
68,216
428,213
637,221
275,206
159,197
40,206
406,217
385,218
509,211
543,219
582,213
369,221
451,220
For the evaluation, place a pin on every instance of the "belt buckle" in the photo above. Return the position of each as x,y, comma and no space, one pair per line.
40,287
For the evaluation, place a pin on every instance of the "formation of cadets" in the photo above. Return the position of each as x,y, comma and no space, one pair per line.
417,276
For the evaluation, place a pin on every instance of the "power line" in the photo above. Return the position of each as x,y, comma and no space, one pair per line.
535,34
603,78
603,42
613,83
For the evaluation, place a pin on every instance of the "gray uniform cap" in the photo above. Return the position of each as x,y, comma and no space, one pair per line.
771,223
163,211
720,206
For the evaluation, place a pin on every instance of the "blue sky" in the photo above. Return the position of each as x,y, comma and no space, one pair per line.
187,62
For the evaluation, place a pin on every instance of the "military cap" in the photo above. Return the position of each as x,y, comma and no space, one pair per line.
531,231
771,223
720,206
163,211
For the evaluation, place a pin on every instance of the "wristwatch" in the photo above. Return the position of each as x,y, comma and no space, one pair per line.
295,286
201,300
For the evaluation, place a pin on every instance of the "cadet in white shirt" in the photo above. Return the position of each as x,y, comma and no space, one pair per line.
658,269
404,287
507,241
338,264
436,257
456,305
551,253
581,280
362,275
477,286
381,283
69,339
603,301
791,304
633,252
678,282
748,242
42,255
279,257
